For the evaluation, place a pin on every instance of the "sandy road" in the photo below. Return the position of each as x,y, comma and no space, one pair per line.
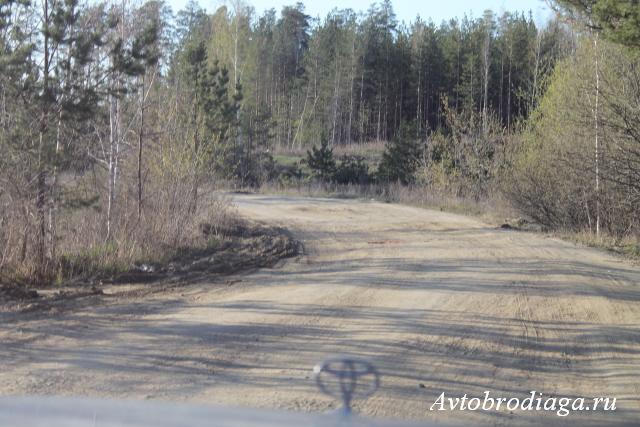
440,302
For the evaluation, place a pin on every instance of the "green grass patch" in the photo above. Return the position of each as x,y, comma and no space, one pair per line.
287,159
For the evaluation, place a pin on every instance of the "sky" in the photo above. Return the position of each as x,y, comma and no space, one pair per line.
406,10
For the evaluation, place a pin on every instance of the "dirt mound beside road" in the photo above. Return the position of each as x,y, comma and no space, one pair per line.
244,246
14,292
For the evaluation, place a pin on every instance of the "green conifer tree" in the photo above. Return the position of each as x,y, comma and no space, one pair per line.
321,160
401,157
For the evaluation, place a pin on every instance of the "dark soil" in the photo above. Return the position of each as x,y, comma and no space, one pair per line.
14,292
240,248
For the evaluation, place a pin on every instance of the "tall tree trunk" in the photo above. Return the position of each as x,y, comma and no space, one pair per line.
485,112
41,183
353,71
534,89
509,91
379,112
426,96
418,100
336,94
113,156
301,121
596,120
361,104
290,121
237,142
501,114
196,150
115,121
53,190
458,65
140,140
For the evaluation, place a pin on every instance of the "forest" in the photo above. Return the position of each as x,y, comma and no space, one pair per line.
119,120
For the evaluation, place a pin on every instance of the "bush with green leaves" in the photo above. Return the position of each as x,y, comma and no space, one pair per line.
562,175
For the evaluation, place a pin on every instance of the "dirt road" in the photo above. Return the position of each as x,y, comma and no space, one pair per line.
440,302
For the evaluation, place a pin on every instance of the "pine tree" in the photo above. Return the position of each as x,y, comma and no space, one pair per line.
619,20
321,161
401,157
64,98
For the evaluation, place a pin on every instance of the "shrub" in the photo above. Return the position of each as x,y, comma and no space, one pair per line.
401,158
321,161
352,170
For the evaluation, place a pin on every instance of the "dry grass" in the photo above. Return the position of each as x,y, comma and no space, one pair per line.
627,246
166,225
493,209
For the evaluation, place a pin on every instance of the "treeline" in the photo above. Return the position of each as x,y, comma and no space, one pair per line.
359,75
